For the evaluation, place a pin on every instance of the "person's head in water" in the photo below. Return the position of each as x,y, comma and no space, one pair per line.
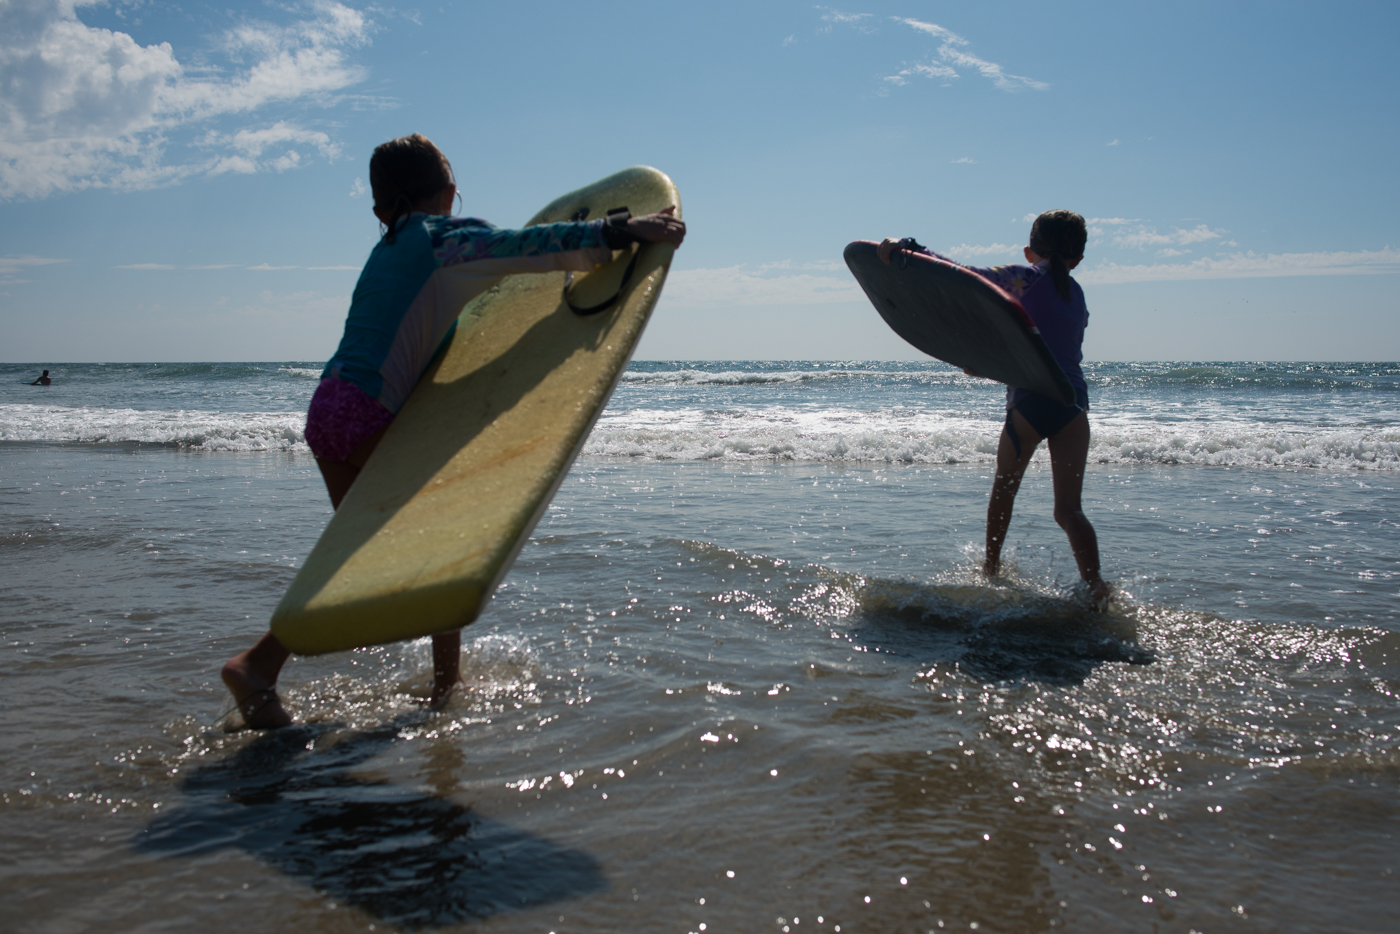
409,174
1058,236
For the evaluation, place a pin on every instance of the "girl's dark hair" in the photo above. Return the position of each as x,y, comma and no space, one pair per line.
402,173
1059,236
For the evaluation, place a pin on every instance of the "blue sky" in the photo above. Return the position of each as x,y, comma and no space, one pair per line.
186,181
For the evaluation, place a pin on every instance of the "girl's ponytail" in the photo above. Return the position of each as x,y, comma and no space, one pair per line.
1059,236
403,173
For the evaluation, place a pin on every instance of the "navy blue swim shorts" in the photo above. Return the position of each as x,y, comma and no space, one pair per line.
1045,415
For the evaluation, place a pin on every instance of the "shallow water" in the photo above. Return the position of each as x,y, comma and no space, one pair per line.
749,695
747,638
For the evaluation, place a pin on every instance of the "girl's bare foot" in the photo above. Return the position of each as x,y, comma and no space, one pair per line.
442,693
255,696
1100,592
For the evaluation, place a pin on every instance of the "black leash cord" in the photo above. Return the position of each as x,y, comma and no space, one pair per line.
604,306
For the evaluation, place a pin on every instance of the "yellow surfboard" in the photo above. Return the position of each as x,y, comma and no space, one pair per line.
455,487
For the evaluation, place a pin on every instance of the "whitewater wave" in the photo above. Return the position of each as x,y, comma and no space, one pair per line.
1215,446
780,434
183,429
759,377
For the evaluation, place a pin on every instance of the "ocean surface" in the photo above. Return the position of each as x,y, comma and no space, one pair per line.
743,678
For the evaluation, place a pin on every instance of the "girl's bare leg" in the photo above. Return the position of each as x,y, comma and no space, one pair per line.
251,676
447,646
1069,452
447,665
1011,468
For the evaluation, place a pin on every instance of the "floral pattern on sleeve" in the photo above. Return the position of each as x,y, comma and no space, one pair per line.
463,239
1013,278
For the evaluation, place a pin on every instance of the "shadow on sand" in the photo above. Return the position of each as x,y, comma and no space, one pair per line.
995,633
404,856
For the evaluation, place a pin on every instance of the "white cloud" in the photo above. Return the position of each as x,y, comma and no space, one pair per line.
737,285
1145,237
789,41
359,189
969,250
965,160
953,54
1113,143
261,267
933,70
833,17
825,265
1251,265
85,107
249,146
9,265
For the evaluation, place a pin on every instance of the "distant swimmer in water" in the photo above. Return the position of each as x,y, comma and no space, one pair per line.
397,320
1056,303
43,380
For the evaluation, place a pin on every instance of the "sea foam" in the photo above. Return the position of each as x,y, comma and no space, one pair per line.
184,429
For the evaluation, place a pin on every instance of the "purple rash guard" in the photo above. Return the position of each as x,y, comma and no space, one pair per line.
1061,321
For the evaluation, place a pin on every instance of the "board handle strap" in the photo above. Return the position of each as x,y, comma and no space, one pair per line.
605,305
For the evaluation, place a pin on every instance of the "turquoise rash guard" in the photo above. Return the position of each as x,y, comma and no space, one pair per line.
412,290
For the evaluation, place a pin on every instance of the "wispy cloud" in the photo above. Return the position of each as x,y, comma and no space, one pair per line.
825,265
261,267
858,21
740,285
933,70
965,160
972,251
87,108
10,266
1144,237
1250,265
952,55
250,145
1113,143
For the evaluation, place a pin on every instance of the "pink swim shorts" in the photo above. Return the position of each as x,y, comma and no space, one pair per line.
341,418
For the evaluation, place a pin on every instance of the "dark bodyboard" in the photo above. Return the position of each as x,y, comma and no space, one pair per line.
952,313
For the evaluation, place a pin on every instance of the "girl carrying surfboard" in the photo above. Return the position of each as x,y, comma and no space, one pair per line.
426,267
1055,302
